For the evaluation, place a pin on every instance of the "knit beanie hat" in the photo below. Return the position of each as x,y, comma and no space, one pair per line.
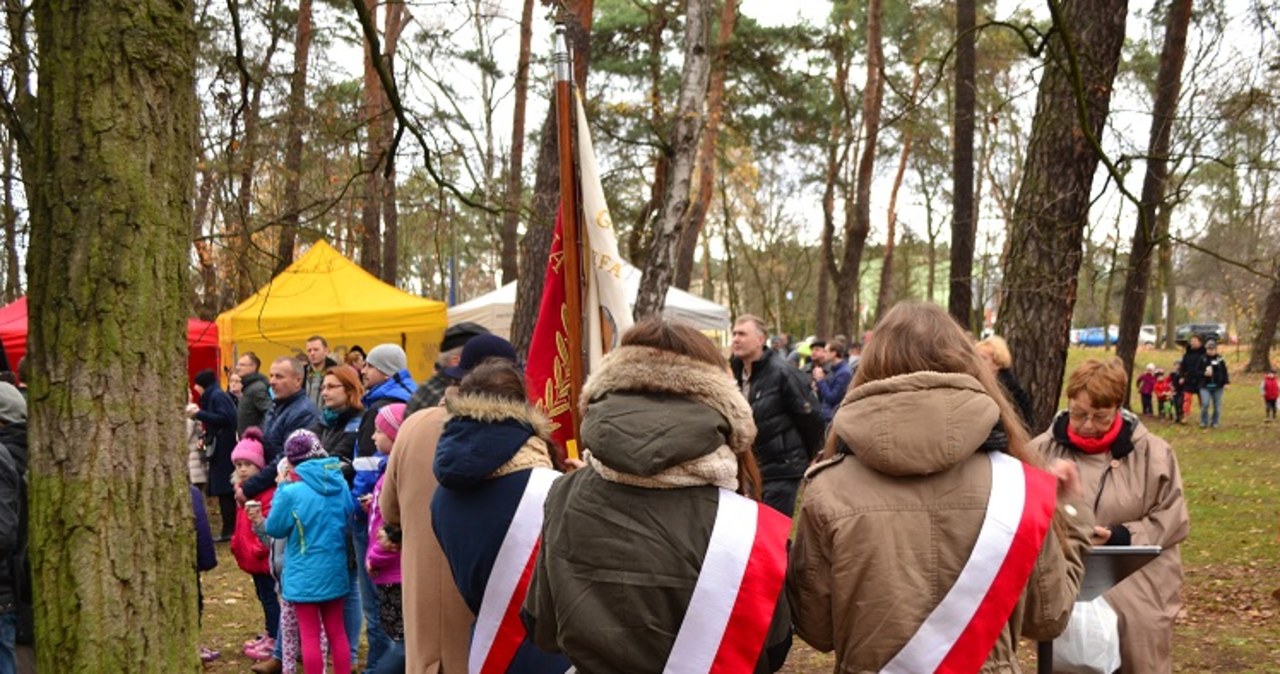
206,378
389,419
13,407
250,447
301,445
387,358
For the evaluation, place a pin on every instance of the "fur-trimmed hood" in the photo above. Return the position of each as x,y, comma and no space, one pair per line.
487,437
659,420
654,372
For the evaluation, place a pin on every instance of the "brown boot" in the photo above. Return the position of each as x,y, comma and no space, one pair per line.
268,666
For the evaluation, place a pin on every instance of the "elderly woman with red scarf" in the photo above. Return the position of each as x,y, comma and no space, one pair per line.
1131,477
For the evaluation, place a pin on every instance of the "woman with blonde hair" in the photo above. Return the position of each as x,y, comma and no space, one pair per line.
929,537
995,352
1131,477
636,569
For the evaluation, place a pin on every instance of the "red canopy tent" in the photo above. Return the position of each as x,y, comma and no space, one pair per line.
202,339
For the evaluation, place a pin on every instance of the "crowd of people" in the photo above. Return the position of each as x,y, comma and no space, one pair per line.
441,520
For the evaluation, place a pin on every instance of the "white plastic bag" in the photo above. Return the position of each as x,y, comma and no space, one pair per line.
1091,642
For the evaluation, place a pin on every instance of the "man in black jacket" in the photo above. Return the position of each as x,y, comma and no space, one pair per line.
15,582
255,401
789,428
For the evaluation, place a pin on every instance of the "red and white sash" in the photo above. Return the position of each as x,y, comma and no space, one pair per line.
498,631
733,602
960,633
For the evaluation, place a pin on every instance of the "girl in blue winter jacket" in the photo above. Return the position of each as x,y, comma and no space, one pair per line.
312,512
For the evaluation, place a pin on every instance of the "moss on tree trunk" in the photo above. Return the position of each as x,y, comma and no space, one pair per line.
111,205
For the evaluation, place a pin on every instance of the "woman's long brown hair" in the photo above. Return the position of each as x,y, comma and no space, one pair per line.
921,337
666,335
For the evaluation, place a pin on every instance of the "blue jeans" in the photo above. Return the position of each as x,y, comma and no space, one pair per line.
1208,395
379,642
8,633
351,616
392,660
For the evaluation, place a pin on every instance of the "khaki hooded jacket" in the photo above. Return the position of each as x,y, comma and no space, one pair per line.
886,527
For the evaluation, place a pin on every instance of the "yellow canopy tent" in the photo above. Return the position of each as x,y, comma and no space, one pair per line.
324,293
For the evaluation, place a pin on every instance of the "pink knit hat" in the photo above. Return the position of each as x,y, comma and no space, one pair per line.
249,448
389,419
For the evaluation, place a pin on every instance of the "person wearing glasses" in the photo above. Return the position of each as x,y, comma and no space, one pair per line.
1131,477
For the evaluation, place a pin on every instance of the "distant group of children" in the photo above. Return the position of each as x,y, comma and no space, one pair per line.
1163,395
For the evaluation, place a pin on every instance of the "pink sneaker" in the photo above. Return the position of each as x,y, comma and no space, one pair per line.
263,650
255,642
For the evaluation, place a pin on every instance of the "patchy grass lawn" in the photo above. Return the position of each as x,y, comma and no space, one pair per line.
1232,558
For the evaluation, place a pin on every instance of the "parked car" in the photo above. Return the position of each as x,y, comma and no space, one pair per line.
1147,335
1099,336
1207,331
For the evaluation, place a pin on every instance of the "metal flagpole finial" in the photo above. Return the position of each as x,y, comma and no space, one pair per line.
562,59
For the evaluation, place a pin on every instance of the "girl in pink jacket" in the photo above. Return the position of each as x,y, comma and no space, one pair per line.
383,557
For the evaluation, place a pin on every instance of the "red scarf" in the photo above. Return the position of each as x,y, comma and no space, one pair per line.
1099,444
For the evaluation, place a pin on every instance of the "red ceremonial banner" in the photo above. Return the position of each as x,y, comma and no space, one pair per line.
547,370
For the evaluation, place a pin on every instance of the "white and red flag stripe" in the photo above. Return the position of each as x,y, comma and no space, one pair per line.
732,606
961,631
498,630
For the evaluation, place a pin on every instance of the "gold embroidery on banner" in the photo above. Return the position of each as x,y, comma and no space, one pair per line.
558,389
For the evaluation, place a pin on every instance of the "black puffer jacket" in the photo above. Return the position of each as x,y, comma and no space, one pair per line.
15,579
787,414
1193,364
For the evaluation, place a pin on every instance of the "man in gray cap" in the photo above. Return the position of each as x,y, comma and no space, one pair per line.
14,569
431,392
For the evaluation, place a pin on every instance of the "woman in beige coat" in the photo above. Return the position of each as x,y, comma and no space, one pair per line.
893,515
1131,478
436,620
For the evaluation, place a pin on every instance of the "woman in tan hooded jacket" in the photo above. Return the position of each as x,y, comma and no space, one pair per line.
1131,478
895,511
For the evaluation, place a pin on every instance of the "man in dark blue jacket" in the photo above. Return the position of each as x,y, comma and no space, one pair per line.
15,568
218,414
787,413
293,410
832,376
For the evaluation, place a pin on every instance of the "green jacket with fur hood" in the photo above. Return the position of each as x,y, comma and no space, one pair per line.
624,538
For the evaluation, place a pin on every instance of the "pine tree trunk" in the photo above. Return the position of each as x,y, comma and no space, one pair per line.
112,539
1052,207
536,245
1163,113
515,174
371,198
885,296
293,139
707,153
960,301
12,281
207,303
396,18
659,268
857,228
1167,281
1260,350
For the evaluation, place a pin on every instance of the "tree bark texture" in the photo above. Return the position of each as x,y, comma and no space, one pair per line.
1052,208
884,297
686,126
707,151
536,245
371,197
515,174
1163,114
1260,350
12,281
395,19
293,139
112,539
857,227
960,301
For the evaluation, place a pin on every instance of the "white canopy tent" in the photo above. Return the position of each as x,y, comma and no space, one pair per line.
495,310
